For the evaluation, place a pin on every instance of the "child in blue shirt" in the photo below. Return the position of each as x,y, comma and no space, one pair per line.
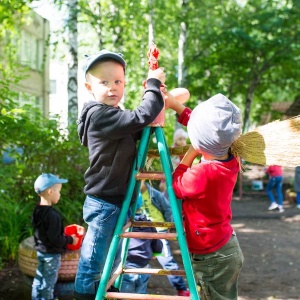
140,253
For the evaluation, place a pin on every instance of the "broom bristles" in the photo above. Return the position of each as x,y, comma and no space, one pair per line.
276,143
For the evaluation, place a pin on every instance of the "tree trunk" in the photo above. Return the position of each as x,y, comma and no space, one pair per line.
151,24
182,45
73,63
95,7
248,103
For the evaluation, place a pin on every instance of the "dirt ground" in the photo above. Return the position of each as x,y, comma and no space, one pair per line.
270,242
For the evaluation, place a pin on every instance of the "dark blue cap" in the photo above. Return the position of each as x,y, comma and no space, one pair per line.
91,59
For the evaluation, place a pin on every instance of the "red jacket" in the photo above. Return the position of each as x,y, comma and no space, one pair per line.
206,190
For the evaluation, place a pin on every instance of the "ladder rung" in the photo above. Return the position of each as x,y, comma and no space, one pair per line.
153,224
144,175
114,295
174,151
149,235
150,271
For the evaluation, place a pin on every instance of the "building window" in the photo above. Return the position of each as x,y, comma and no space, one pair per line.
31,53
35,101
52,86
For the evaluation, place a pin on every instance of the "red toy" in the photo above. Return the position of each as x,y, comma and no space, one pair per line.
79,232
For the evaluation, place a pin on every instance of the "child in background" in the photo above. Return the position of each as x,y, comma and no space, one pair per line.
110,134
49,238
275,182
157,208
179,140
206,190
140,252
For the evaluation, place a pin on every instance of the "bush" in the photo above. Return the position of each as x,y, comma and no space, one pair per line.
45,148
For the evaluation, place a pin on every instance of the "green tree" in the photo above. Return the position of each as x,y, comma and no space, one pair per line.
249,52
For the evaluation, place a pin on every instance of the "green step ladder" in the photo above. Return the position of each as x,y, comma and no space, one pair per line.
122,231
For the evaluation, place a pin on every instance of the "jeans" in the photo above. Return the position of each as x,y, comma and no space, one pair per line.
135,283
298,198
275,183
217,272
46,276
101,218
168,262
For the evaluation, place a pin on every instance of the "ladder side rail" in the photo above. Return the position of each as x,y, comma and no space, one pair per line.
168,154
139,161
176,215
125,246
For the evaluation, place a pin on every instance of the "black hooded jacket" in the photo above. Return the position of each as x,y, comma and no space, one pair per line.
110,134
49,230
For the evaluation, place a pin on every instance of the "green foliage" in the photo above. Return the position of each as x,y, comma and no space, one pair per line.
45,148
248,52
12,11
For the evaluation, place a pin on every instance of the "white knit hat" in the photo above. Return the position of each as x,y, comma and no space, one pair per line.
179,133
214,125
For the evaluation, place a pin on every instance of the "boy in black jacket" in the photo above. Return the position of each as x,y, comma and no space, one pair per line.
50,241
110,134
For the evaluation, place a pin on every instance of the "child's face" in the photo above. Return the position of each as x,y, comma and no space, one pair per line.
181,141
55,193
106,81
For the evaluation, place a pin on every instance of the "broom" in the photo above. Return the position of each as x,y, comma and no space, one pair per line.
276,143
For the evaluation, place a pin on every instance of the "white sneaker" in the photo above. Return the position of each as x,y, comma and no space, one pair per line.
280,208
273,206
298,206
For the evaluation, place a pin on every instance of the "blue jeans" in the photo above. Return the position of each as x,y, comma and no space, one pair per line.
275,183
46,276
168,262
101,218
217,272
298,198
135,283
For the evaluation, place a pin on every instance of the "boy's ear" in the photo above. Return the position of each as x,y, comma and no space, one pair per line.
49,191
88,87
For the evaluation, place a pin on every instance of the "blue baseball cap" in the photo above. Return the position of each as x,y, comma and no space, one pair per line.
47,180
91,59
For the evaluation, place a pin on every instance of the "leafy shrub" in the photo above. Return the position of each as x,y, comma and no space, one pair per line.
45,148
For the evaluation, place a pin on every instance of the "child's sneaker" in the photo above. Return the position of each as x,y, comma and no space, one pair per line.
273,206
280,208
183,293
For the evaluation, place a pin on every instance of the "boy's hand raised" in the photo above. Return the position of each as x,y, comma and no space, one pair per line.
159,74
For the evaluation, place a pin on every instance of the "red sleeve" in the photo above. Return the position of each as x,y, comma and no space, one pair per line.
188,181
185,116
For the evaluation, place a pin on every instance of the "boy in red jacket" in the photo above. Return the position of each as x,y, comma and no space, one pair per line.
206,190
